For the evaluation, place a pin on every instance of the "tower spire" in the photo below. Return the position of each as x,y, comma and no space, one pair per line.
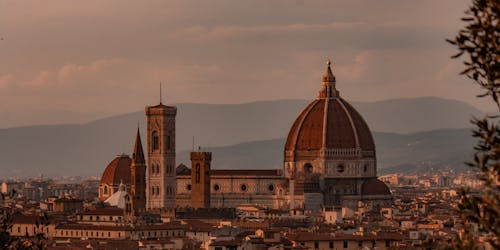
138,155
328,89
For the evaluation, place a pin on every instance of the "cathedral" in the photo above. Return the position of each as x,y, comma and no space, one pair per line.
329,161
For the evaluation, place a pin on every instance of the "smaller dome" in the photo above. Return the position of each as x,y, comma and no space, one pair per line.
374,187
117,171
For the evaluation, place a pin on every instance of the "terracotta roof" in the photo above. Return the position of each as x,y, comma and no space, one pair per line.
226,243
103,211
117,170
374,187
345,128
329,122
309,236
162,106
65,199
82,226
120,227
26,219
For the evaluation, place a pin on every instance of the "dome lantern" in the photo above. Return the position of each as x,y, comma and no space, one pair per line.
328,89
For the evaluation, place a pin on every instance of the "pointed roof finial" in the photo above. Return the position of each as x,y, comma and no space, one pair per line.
328,75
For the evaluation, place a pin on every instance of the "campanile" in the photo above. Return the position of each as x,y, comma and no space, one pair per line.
161,176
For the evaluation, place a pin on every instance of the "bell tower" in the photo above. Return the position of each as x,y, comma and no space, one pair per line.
161,176
200,179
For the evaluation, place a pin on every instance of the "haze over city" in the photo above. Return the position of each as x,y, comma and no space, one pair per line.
75,61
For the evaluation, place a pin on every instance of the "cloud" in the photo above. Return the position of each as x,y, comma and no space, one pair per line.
5,81
94,55
128,83
449,71
354,70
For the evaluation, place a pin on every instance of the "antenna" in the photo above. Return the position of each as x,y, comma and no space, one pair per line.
193,143
160,93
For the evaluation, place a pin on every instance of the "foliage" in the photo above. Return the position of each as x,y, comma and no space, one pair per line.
6,239
480,40
479,43
35,242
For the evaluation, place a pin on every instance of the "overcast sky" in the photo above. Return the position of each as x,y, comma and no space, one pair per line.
76,60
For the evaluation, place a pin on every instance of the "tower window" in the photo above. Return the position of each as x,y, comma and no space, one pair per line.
197,179
308,168
270,187
188,187
340,168
167,144
156,141
243,187
216,187
365,168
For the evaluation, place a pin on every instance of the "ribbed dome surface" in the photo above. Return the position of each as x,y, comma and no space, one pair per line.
118,170
374,187
332,123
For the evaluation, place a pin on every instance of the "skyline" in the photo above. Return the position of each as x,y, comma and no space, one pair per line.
87,60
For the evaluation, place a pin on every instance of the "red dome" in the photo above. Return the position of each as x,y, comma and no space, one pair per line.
374,187
118,170
331,123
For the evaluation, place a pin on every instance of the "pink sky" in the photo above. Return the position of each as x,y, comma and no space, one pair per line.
77,60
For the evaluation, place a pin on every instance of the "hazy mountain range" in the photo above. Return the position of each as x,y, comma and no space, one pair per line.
395,152
246,135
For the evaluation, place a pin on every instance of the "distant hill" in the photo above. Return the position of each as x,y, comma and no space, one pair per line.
418,152
87,148
416,114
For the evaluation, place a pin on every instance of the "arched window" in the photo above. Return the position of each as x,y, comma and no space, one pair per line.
340,168
167,143
105,189
308,168
155,140
197,178
157,168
